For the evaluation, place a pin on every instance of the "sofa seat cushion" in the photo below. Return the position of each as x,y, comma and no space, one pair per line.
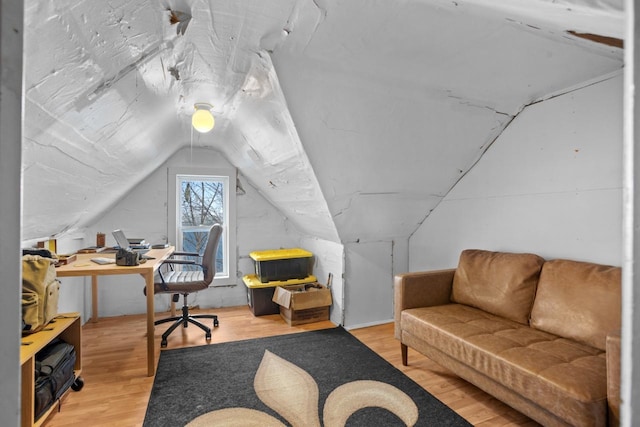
563,376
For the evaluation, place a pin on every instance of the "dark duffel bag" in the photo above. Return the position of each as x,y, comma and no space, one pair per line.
54,374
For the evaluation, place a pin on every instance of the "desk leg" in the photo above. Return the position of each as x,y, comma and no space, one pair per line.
151,356
94,299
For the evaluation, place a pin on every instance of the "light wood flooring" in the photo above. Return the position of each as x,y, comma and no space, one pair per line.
117,389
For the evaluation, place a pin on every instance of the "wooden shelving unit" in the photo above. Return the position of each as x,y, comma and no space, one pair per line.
66,326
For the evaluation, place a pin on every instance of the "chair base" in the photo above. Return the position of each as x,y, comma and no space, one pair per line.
184,320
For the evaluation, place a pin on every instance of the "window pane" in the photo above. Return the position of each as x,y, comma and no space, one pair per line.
201,202
196,242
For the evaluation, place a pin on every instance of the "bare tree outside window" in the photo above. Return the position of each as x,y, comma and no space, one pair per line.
201,205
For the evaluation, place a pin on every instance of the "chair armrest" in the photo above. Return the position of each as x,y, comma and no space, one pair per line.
178,261
186,254
420,289
613,377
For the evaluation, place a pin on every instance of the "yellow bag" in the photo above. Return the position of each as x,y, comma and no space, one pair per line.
40,289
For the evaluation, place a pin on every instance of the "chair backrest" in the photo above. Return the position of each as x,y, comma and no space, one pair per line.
210,252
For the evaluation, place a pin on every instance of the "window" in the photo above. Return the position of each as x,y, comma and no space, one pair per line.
201,198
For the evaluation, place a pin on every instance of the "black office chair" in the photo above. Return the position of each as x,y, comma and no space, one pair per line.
184,282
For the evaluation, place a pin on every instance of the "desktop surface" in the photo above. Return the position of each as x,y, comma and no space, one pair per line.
83,266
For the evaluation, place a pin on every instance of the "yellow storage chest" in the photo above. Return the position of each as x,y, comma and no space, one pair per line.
282,264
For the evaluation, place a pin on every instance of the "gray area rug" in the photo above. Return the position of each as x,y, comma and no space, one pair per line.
317,378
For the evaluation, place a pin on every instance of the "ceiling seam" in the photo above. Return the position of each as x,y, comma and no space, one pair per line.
547,97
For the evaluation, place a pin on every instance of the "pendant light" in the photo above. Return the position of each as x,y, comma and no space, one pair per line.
202,119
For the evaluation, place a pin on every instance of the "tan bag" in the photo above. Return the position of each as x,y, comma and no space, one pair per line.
40,289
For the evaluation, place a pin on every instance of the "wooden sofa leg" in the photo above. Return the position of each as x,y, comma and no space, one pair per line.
403,351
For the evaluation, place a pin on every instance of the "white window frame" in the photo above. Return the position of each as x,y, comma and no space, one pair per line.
228,229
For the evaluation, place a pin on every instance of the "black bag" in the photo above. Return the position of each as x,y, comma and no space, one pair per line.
54,374
127,258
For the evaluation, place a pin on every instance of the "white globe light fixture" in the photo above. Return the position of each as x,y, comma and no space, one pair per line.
202,119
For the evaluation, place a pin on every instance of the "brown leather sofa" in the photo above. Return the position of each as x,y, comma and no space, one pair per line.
541,336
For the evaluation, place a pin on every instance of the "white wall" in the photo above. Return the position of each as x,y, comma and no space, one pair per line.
551,184
630,366
143,213
369,284
11,33
75,292
329,258
362,278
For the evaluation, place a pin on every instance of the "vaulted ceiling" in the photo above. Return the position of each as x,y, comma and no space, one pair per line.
354,118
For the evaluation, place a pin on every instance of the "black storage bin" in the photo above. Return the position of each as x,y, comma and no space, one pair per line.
282,264
259,301
260,295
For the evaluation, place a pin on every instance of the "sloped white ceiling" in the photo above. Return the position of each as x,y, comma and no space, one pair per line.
354,118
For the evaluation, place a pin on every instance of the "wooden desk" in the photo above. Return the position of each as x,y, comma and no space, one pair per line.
83,266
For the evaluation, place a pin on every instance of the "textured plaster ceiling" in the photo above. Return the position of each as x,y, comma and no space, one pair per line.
353,118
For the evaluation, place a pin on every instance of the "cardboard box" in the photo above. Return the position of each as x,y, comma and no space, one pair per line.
306,303
260,295
300,317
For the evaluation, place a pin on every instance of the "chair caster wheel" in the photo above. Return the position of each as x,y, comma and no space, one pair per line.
208,337
163,343
77,384
216,323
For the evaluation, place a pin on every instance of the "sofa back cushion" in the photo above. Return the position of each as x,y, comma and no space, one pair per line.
578,300
500,283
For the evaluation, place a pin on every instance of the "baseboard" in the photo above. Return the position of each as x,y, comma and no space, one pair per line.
365,325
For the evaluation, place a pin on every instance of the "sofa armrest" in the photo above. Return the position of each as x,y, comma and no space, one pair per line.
420,289
613,377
